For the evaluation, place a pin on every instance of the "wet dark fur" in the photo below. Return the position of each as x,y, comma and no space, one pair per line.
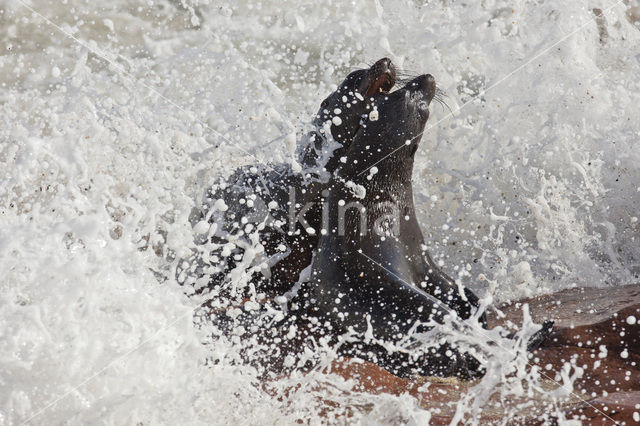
388,278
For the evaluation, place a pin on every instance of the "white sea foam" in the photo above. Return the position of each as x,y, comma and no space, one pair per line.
535,179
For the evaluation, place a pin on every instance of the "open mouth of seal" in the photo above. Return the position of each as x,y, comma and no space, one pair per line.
381,77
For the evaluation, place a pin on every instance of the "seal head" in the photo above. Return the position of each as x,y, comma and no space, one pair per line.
342,113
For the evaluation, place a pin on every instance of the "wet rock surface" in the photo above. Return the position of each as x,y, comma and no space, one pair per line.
596,330
597,327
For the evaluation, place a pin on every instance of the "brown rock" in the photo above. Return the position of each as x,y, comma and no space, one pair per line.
593,330
597,329
619,408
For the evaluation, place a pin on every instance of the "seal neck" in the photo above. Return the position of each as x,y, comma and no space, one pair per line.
393,167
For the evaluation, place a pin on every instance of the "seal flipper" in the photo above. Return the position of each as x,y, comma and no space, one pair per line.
439,280
540,336
475,303
391,306
446,360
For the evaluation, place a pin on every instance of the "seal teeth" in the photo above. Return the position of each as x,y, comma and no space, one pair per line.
381,77
382,84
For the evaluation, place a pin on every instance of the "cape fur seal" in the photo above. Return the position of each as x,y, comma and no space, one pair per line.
370,273
278,202
370,269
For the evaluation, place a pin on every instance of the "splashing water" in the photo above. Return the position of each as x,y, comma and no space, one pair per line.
116,117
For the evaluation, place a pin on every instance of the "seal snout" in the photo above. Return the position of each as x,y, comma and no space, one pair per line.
424,84
381,77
